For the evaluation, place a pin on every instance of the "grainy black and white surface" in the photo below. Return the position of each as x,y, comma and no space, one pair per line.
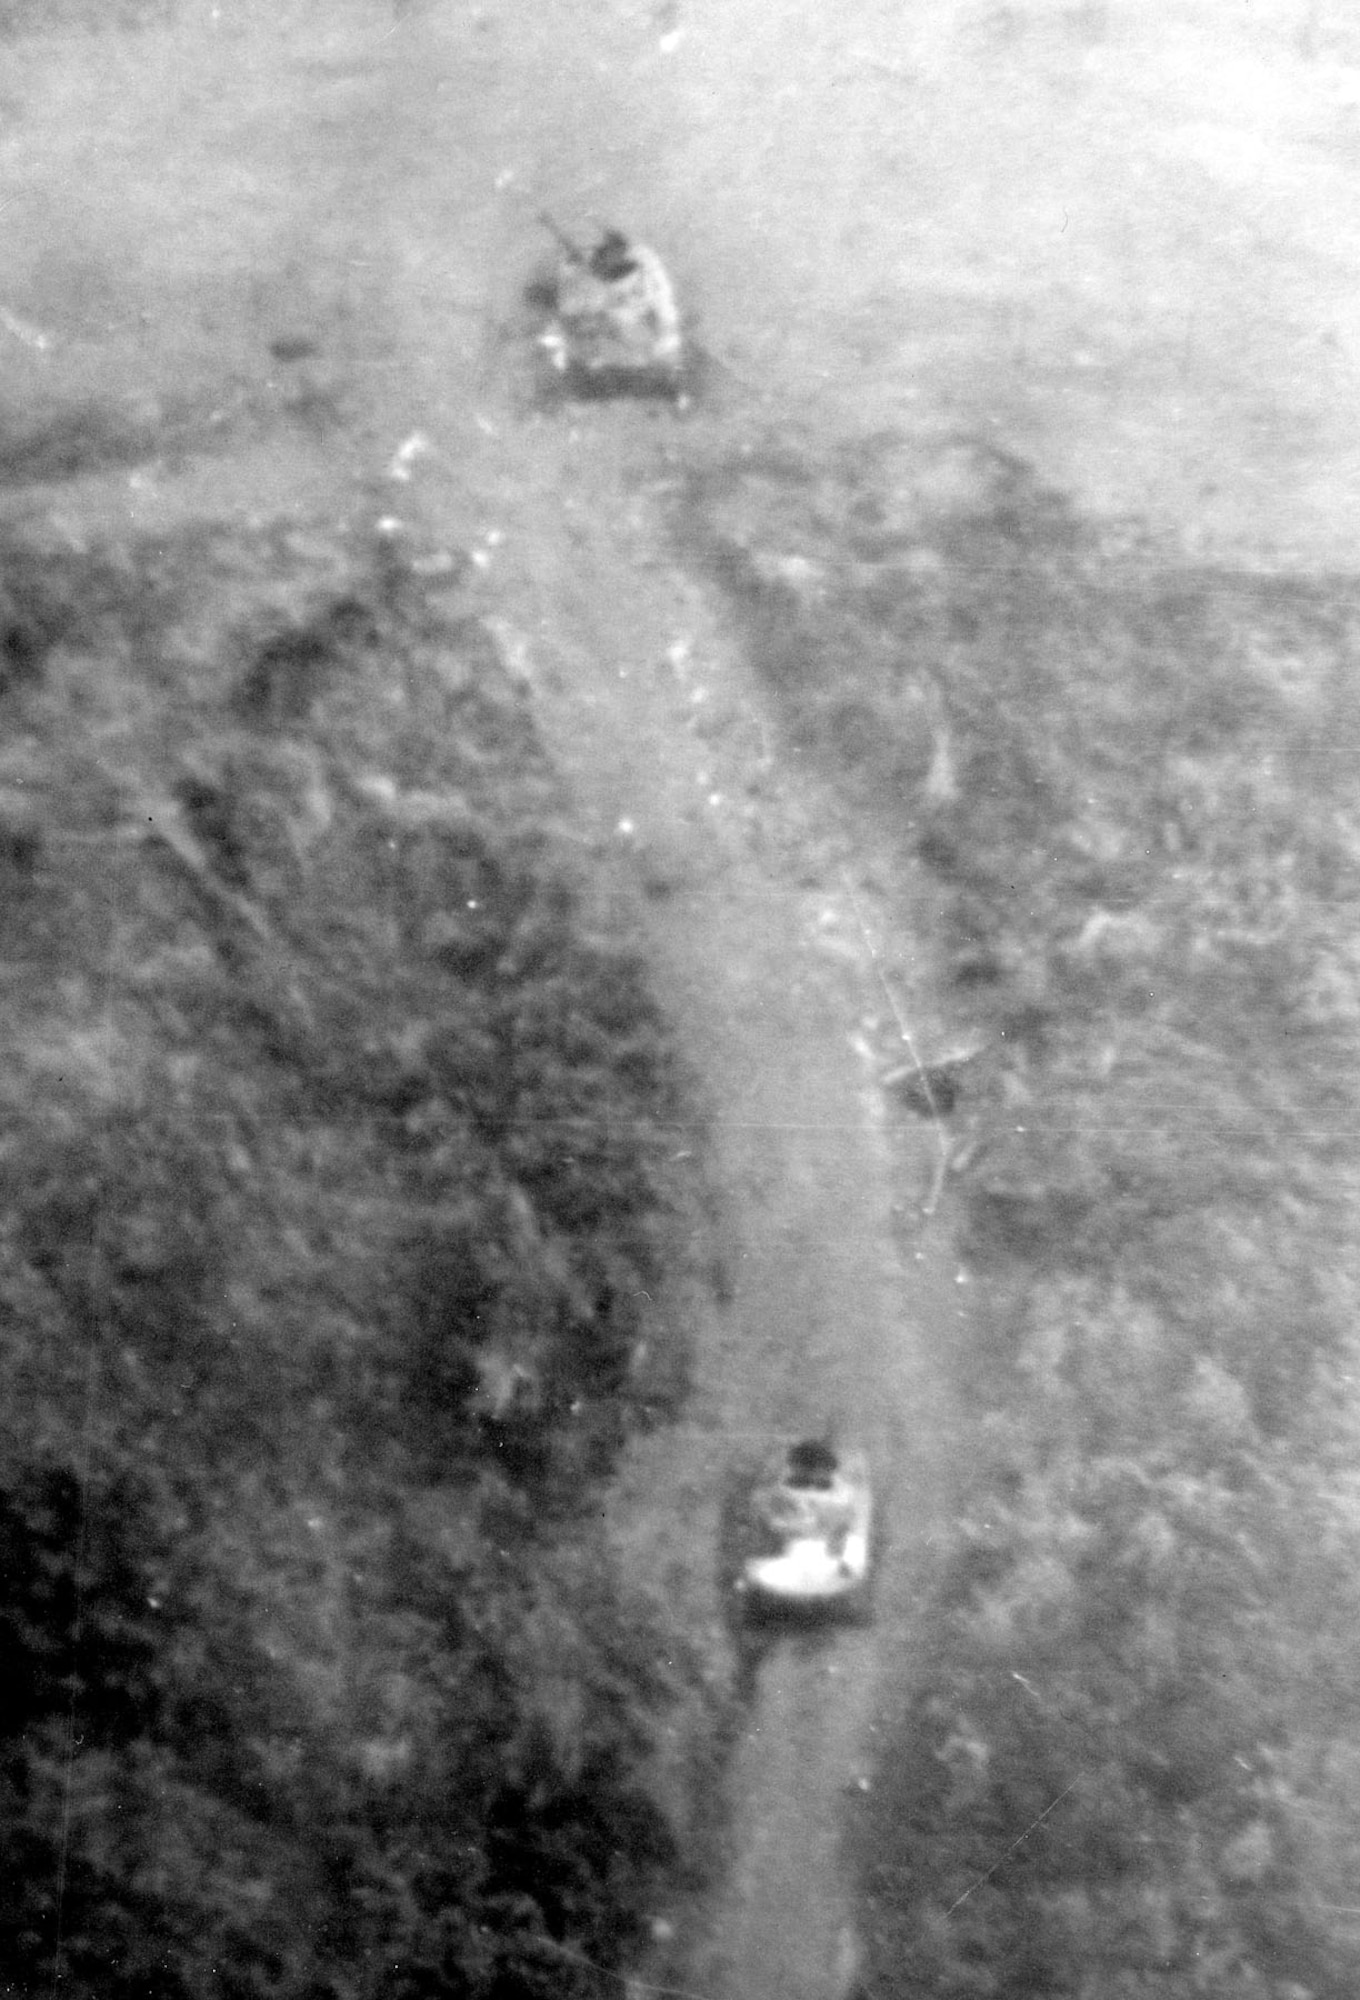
1029,352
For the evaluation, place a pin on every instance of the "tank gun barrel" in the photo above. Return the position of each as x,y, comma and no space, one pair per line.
561,238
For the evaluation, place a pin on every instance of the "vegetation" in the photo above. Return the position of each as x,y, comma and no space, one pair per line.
334,1170
1130,1769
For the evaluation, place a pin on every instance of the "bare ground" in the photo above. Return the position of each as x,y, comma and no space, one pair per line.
265,258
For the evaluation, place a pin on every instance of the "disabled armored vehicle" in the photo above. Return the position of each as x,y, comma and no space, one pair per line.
612,326
811,1522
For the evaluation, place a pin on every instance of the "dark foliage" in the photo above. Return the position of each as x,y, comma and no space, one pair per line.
332,1181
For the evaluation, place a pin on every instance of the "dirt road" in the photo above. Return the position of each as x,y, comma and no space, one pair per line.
265,254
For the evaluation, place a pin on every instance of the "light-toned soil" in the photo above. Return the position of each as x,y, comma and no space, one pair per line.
1122,241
